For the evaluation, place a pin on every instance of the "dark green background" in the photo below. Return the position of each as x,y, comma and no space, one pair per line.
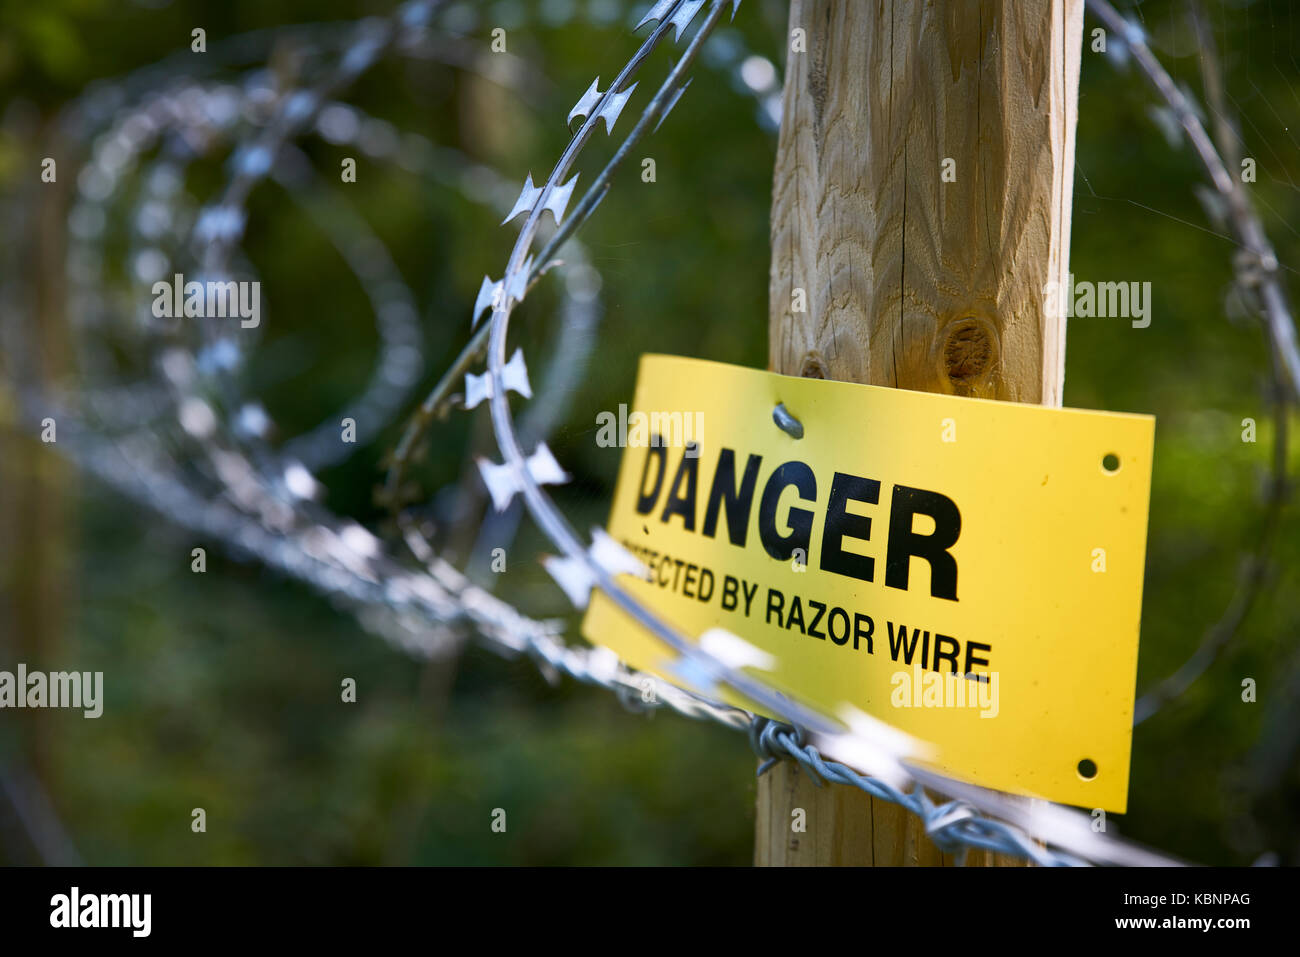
222,689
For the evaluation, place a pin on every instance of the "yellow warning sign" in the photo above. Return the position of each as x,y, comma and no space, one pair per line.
966,570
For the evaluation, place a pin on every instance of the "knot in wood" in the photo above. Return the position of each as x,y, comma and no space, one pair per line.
813,367
969,350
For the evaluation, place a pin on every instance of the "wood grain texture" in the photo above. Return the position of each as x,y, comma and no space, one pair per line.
910,281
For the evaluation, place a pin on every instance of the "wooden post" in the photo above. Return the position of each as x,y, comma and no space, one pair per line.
921,204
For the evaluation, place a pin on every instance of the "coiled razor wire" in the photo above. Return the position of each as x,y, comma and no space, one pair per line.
349,547
717,659
264,503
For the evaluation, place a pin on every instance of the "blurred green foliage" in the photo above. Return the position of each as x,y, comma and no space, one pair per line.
223,688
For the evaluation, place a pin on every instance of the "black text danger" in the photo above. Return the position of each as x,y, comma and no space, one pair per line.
671,492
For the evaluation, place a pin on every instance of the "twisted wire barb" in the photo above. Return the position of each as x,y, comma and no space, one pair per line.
1258,276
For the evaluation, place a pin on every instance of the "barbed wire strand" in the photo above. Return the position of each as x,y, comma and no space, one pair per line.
1257,276
883,750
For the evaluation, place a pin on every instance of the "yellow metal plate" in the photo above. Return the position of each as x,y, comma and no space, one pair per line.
1000,546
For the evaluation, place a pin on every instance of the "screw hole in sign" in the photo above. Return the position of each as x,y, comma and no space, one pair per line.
1087,769
1110,463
